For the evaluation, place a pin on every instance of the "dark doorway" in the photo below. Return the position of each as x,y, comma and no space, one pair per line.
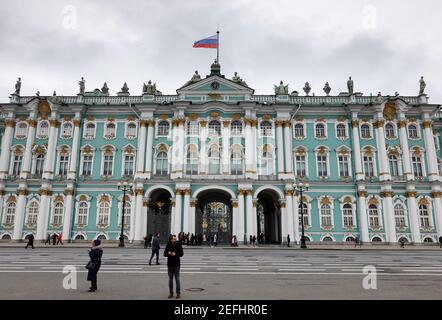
268,218
159,214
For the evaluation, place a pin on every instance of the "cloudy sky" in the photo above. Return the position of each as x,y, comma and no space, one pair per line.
384,45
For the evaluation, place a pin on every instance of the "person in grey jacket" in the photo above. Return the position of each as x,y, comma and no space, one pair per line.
155,248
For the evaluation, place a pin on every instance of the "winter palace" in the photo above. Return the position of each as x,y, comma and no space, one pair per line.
215,158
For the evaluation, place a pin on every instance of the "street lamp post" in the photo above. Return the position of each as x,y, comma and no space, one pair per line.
300,187
125,187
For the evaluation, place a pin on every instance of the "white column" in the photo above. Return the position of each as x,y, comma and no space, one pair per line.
280,147
384,172
141,152
173,217
191,218
67,220
226,148
357,149
403,136
437,204
254,149
180,150
43,214
363,216
235,219
248,147
284,222
433,170
2,207
75,148
390,225
26,169
296,217
203,151
19,215
254,218
249,212
6,147
178,211
50,155
413,216
149,147
288,147
144,219
186,208
289,205
138,214
132,220
241,216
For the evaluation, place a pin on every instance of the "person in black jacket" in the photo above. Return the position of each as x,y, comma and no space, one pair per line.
155,248
30,241
95,254
173,252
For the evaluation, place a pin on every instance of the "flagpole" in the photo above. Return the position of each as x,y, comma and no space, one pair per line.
217,47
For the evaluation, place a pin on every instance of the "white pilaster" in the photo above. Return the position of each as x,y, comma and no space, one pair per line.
249,213
178,210
73,164
138,225
149,148
357,148
186,208
180,150
43,214
280,147
132,220
203,152
226,148
288,148
289,205
26,169
384,172
141,150
191,218
241,217
413,215
363,216
437,203
388,211
433,170
284,221
48,171
67,219
6,147
19,215
248,149
296,218
403,136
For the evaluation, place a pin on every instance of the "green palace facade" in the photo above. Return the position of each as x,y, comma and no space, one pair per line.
217,158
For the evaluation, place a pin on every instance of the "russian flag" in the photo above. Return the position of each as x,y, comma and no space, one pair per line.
210,42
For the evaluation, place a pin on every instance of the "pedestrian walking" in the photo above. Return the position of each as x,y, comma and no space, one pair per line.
155,248
59,239
30,241
54,238
288,240
250,239
215,239
440,242
232,243
254,240
94,264
356,241
235,240
173,252
48,239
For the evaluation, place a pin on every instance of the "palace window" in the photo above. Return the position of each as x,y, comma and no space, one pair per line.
365,131
17,160
103,213
39,164
394,165
192,160
368,165
236,165
301,165
373,215
215,127
32,213
416,161
43,130
347,212
22,130
57,218
304,210
413,133
163,128
63,162
399,215
83,211
162,163
110,130
266,163
299,131
66,130
89,132
321,161
192,128
320,131
341,131
326,215
10,213
214,160
389,131
424,216
129,162
344,165
108,161
131,130
127,213
266,128
236,128
87,160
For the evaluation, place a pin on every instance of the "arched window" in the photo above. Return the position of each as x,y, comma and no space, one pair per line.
266,128
214,127
236,165
365,131
428,240
39,164
108,161
394,165
373,215
89,132
79,237
376,239
17,161
326,215
347,212
110,131
22,130
128,162
266,165
341,131
389,131
424,216
131,130
58,214
344,165
163,128
214,160
416,160
299,131
66,130
412,131
32,213
103,213
83,211
162,163
192,128
399,215
43,130
236,128
10,213
367,159
192,160
63,162
320,130
304,211
127,212
327,239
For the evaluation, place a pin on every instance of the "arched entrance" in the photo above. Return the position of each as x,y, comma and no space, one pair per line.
214,215
268,217
159,214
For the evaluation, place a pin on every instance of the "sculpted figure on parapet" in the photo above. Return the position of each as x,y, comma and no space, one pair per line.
281,89
18,86
350,86
82,85
149,88
105,89
422,86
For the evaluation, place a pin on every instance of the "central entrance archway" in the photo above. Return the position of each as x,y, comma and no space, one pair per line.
214,215
159,214
268,217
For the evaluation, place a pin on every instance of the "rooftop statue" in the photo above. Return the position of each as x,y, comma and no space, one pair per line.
82,86
307,88
238,79
18,86
149,88
281,89
422,86
125,88
350,86
327,88
105,89
195,78
37,93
